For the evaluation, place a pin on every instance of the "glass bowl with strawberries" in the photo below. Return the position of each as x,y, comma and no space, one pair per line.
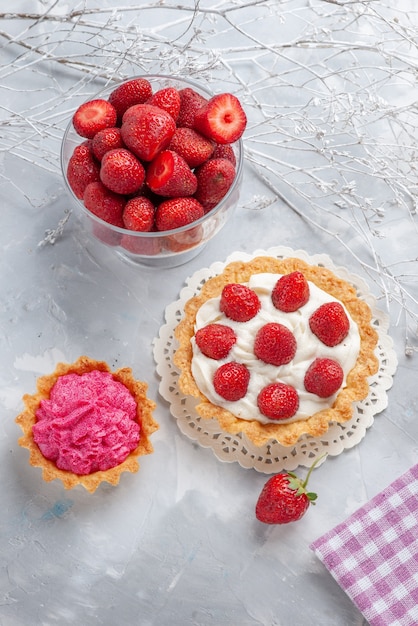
154,165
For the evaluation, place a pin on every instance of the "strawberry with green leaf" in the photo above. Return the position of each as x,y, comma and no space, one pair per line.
285,498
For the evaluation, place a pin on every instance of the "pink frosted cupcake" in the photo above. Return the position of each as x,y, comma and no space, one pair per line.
87,424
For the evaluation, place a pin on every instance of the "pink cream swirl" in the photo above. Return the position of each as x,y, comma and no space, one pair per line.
88,423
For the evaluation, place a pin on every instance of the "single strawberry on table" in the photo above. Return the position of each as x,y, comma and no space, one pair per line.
285,498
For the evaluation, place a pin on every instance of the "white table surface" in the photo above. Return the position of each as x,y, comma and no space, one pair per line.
178,543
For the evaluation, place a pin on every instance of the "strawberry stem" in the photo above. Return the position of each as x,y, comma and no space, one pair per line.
305,482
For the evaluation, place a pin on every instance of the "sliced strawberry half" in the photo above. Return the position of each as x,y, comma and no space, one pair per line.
169,175
92,116
222,119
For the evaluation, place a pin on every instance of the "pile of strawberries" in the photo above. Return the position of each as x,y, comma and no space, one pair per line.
155,160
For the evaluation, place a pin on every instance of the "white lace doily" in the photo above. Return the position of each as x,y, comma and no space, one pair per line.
272,457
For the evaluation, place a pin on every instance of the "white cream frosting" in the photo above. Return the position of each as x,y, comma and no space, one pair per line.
309,347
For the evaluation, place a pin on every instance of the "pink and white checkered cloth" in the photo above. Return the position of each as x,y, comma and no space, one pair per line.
373,555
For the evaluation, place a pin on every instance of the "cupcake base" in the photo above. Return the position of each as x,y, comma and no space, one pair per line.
50,471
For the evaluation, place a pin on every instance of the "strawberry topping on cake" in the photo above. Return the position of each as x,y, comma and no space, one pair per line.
277,348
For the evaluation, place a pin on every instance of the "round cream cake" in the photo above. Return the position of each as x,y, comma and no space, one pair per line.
354,353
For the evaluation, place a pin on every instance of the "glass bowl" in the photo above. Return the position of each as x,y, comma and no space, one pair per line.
161,248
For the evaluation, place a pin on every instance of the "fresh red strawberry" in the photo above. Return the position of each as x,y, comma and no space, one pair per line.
138,214
225,151
141,245
239,302
284,498
82,169
92,116
106,235
168,99
231,381
104,203
177,212
215,340
105,140
186,240
190,102
323,377
290,292
275,344
192,146
121,171
169,175
214,178
135,91
222,119
278,401
146,130
330,323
